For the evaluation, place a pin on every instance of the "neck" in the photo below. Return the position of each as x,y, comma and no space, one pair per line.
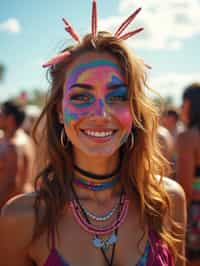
100,166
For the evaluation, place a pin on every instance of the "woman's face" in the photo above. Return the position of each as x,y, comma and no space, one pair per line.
95,107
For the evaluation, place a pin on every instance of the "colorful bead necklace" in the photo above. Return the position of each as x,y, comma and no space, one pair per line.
94,185
90,228
101,218
102,243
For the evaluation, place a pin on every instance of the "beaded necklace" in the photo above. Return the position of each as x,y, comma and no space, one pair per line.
95,185
78,212
101,218
83,220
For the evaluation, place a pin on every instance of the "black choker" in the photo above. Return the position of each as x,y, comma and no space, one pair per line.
95,176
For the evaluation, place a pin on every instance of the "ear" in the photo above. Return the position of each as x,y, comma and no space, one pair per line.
60,113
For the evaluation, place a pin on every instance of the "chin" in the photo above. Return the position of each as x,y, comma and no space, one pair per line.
101,152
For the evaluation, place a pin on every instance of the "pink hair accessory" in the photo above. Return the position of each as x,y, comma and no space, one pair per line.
71,31
125,24
94,18
118,34
130,34
55,60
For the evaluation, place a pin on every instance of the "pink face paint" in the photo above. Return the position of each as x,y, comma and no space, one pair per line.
95,88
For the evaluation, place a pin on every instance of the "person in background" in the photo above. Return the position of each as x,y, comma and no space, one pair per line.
166,142
188,167
8,170
170,120
11,120
32,113
101,197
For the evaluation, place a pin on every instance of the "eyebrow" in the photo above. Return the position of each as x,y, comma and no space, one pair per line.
82,85
90,87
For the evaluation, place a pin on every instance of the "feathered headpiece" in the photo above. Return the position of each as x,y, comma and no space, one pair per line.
119,34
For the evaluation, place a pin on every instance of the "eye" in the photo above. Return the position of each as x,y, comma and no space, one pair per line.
117,95
117,98
81,98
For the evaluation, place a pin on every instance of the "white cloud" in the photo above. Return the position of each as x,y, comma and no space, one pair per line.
10,25
167,23
172,84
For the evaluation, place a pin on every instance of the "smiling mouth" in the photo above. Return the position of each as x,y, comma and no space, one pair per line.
99,133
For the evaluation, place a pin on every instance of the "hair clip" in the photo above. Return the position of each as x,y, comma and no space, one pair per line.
125,24
118,34
71,31
94,18
56,59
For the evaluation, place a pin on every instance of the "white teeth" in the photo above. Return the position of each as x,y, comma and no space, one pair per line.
98,134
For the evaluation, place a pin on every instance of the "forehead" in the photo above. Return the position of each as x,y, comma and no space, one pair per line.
91,60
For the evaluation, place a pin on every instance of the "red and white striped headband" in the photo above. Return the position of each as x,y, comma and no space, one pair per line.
119,34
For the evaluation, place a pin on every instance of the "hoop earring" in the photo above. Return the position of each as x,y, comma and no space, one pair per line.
63,139
132,141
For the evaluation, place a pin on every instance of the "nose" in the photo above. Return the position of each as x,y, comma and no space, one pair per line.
101,109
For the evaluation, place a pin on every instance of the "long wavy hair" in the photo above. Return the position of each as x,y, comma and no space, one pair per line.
140,166
192,94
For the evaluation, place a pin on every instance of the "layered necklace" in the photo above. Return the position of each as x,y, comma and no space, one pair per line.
96,182
104,237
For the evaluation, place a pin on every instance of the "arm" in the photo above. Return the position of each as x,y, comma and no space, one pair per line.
178,213
185,163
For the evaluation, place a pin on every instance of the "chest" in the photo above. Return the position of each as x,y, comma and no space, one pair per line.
75,246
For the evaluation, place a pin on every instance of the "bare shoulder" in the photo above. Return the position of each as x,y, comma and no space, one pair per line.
19,206
17,219
16,229
174,189
178,200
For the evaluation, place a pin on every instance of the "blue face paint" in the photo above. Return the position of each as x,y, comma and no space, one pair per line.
119,94
115,81
69,116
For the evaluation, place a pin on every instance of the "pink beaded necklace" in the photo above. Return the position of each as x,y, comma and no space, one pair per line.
90,228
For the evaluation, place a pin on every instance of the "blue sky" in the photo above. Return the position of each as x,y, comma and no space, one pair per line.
32,31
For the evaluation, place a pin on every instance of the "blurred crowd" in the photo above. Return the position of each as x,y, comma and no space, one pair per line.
17,149
178,133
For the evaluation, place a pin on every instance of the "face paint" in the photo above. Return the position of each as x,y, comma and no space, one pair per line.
73,76
95,89
74,109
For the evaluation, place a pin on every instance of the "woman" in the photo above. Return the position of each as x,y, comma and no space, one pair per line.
188,166
99,199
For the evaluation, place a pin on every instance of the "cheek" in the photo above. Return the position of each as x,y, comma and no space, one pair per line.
125,118
74,113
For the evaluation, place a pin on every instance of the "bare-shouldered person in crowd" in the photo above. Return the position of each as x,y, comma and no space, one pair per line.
11,119
8,170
